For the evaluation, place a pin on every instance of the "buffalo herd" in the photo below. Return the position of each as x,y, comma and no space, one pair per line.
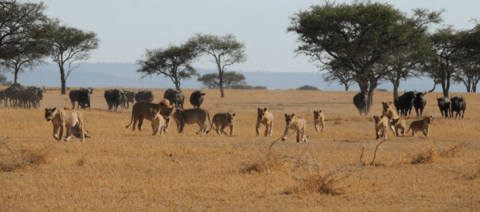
17,95
413,99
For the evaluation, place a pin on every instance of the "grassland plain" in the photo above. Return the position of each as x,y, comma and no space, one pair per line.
123,170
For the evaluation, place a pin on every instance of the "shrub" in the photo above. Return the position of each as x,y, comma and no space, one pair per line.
308,88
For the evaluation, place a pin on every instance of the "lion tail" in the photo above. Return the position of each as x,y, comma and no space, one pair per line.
211,123
131,119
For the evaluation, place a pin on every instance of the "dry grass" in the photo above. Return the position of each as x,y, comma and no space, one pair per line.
121,170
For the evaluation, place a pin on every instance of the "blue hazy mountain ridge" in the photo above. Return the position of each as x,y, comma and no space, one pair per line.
124,75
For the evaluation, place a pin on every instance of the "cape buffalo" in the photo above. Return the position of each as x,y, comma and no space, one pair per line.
196,98
444,105
176,97
458,104
82,96
404,103
419,103
113,98
130,97
144,96
361,101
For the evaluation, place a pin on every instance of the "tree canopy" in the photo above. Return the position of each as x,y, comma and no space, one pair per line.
225,50
231,79
25,33
173,62
357,36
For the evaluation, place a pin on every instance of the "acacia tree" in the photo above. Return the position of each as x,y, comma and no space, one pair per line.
24,35
405,62
468,72
343,76
231,79
445,48
226,51
71,45
357,36
173,62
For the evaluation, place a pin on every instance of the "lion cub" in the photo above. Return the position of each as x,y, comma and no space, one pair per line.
318,119
399,124
158,122
297,124
391,113
420,125
222,120
381,124
265,117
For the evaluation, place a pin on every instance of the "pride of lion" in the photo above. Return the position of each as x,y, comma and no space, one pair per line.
162,113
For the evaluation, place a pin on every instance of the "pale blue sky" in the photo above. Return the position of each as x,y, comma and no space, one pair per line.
127,27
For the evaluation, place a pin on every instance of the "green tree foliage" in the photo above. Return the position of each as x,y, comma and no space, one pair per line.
71,45
344,76
307,88
225,50
231,79
445,47
357,37
4,80
173,62
467,72
25,35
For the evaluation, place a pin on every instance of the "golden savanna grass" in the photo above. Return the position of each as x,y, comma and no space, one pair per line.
121,170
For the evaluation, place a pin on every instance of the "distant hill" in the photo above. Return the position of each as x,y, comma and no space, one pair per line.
124,75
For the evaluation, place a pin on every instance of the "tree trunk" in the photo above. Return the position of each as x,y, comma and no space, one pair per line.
396,84
62,79
15,77
220,75
346,86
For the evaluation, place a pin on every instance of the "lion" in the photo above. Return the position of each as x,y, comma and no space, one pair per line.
297,124
420,125
191,116
399,124
68,118
265,117
158,122
141,110
222,120
391,113
318,119
381,125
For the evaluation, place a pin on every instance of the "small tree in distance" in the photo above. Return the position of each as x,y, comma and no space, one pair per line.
226,51
173,62
307,88
230,79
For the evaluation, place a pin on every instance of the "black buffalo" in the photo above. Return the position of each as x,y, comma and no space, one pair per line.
175,97
130,96
360,100
20,96
113,98
419,103
196,98
444,105
12,94
458,105
404,103
144,96
82,96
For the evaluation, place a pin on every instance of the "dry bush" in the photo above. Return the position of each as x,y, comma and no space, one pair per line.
331,183
12,160
434,155
337,120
